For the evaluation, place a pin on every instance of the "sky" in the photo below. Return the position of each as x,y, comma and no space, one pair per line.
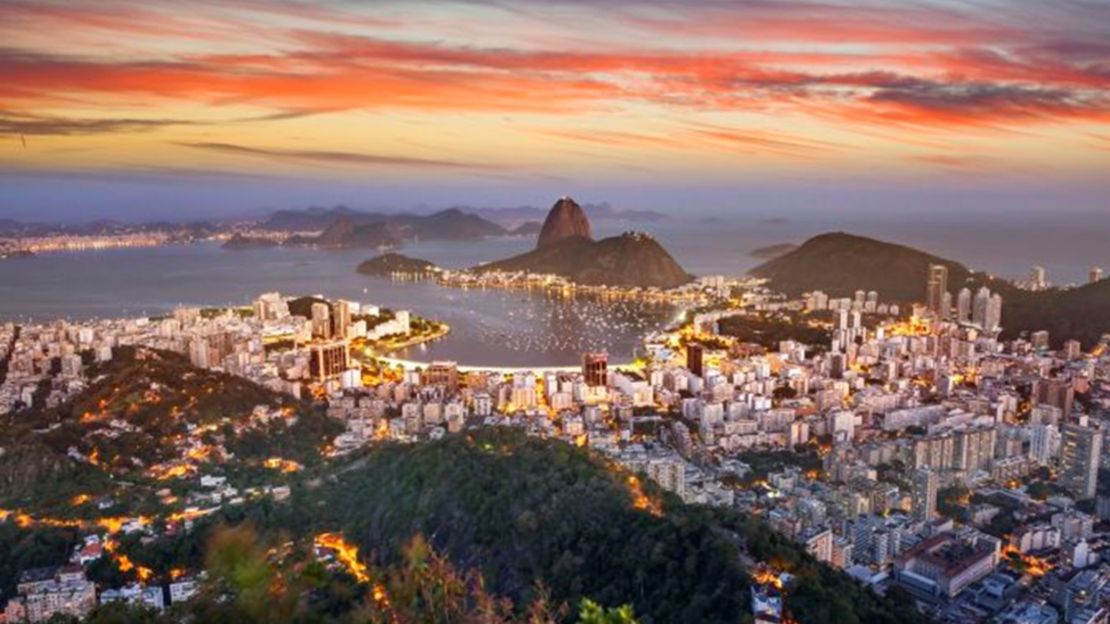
151,109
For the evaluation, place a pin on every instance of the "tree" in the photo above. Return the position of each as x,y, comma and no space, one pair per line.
589,612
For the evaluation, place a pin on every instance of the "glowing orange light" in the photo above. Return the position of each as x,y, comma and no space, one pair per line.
345,553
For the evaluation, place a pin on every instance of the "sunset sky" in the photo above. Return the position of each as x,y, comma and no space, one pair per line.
148,108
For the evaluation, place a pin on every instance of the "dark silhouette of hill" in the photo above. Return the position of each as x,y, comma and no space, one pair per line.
528,228
156,395
632,259
565,220
770,252
390,263
565,247
521,509
239,242
350,228
839,264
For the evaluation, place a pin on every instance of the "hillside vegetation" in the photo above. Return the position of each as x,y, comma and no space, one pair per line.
523,514
839,264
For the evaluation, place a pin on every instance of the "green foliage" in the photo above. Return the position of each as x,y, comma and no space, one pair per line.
22,549
839,264
590,612
768,331
952,502
161,396
528,509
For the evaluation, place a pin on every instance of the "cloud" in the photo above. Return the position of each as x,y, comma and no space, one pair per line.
910,69
924,101
331,157
16,123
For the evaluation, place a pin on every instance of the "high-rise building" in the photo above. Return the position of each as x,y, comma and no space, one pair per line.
321,320
1080,450
271,307
1037,279
986,311
1058,393
341,318
595,369
994,313
442,374
1044,444
198,352
1072,349
695,355
963,306
936,286
1095,275
925,484
328,360
1039,339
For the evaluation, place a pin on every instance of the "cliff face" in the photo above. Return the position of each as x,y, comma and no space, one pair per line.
565,220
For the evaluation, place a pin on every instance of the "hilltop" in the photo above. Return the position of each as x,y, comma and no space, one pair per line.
387,264
839,264
565,247
520,510
632,259
240,242
770,252
566,220
145,416
343,227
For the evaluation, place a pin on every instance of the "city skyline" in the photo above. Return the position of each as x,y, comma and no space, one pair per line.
150,110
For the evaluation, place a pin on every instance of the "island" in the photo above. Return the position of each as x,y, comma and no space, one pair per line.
242,242
395,263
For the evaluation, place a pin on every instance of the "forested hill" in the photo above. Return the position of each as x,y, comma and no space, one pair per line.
522,513
840,264
521,510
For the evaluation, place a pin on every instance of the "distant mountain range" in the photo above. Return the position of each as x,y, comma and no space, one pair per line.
598,211
839,264
10,228
346,228
769,252
565,248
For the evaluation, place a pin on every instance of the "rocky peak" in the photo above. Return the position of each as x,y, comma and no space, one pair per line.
565,220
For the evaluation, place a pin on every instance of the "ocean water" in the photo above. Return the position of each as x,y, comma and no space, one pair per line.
489,327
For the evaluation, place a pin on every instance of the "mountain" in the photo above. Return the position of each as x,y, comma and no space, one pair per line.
346,233
771,252
839,264
566,247
565,220
131,418
1081,313
450,224
521,511
387,264
528,228
630,260
314,218
602,211
239,242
